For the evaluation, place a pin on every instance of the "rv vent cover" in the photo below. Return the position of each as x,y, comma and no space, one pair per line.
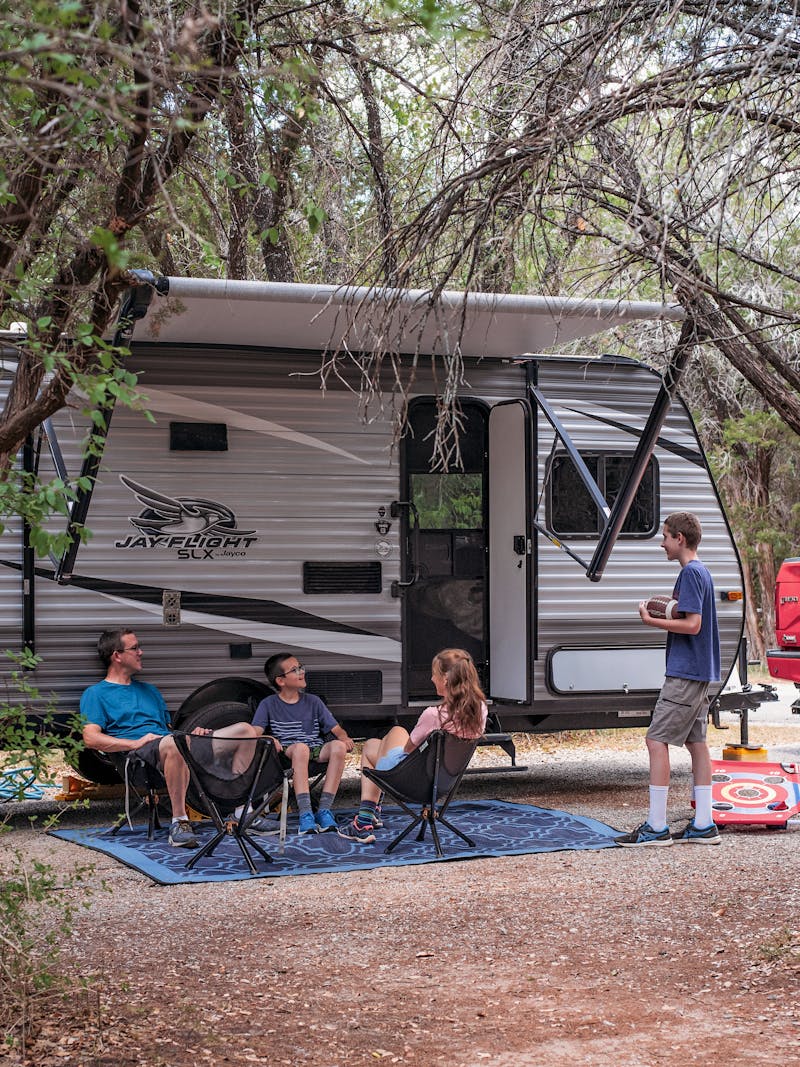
198,437
347,687
321,578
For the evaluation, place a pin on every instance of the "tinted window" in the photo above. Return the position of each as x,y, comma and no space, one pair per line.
572,510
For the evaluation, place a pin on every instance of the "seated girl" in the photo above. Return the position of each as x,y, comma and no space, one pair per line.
462,712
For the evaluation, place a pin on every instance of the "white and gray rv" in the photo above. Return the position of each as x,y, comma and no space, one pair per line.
259,512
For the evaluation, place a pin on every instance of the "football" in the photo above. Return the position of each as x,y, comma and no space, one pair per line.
663,607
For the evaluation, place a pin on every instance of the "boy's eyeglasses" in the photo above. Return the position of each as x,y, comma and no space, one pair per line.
299,669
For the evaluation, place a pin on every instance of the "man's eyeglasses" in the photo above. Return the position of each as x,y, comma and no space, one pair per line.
299,669
131,648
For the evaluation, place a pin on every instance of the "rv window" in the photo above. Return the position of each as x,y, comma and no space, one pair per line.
572,510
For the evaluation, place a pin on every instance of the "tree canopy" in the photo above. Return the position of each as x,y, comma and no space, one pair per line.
643,151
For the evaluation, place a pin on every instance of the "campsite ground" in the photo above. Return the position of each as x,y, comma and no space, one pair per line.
686,955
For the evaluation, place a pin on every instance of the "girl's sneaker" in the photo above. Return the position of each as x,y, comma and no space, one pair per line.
354,831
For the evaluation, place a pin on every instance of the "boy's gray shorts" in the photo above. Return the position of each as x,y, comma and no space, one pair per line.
681,712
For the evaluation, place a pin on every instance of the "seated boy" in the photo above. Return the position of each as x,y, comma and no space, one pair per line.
298,722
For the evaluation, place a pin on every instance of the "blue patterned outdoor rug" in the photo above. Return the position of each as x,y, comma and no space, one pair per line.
497,827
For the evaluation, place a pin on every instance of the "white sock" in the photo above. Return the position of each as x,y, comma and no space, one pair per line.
702,807
179,818
658,807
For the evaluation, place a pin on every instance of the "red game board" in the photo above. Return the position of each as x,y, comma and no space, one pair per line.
752,792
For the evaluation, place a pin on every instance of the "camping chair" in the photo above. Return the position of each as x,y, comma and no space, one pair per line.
427,778
222,789
145,783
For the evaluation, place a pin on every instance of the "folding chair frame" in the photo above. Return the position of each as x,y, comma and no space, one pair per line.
148,796
434,806
236,828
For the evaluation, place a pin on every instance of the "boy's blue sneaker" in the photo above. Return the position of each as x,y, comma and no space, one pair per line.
644,835
325,821
308,824
690,834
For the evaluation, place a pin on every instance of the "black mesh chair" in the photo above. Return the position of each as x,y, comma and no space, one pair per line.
143,783
224,784
425,782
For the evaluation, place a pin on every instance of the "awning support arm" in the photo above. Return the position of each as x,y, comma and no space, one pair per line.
134,306
574,454
644,449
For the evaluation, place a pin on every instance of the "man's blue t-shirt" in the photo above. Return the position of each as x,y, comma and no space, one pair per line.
127,711
695,656
307,721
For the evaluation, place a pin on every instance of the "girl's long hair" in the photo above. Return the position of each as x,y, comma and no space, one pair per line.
464,703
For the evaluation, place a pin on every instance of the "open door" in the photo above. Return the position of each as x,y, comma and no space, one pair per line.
509,552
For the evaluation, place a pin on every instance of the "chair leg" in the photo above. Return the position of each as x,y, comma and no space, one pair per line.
206,850
245,852
244,836
455,830
435,835
393,844
153,821
284,813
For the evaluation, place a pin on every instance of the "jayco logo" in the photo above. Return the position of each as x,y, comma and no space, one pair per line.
192,527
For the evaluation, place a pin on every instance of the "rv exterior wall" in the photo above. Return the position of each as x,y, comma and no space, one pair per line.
305,479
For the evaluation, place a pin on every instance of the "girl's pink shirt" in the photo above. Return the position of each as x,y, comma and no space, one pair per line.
431,719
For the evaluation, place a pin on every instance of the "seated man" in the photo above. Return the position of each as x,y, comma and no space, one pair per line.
124,715
298,722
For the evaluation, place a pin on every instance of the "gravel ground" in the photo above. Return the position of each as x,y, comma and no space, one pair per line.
687,955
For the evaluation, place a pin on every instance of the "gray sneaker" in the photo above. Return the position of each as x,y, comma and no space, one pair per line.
710,835
181,835
265,824
644,835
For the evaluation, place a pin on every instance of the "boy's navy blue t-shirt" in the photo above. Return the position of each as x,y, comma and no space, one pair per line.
306,721
695,656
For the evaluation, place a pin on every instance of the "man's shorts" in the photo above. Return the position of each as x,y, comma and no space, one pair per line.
147,754
681,712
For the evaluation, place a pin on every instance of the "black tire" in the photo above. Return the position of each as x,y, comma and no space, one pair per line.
213,717
220,690
94,766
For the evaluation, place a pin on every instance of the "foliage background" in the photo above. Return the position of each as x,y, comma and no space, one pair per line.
642,151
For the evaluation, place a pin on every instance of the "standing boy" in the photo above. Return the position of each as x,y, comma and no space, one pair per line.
298,722
681,713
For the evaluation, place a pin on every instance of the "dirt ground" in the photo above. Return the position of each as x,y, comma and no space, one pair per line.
685,955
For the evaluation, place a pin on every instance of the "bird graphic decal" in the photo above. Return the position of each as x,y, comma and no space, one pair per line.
180,515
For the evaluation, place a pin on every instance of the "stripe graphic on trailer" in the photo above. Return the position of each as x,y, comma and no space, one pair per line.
174,404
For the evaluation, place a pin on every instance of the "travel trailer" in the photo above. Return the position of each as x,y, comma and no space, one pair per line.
257,511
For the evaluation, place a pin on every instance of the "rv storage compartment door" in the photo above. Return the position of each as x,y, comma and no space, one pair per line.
605,670
509,551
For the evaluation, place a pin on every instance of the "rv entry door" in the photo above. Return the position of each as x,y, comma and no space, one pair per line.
509,551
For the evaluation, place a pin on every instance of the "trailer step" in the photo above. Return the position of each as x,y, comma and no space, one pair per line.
506,742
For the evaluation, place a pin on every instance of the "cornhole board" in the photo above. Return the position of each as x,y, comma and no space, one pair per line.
745,791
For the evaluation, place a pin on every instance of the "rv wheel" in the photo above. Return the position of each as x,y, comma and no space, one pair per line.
220,690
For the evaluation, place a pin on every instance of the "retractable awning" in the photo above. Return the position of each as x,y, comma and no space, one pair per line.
322,317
